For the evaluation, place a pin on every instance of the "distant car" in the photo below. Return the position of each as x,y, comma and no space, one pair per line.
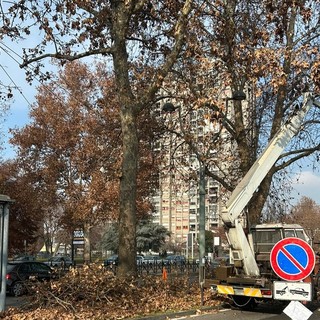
19,273
63,262
21,258
152,259
175,260
43,255
112,260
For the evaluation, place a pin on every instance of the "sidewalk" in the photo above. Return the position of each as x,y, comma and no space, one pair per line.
178,314
15,301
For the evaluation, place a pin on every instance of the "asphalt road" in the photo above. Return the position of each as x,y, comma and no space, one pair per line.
272,311
247,315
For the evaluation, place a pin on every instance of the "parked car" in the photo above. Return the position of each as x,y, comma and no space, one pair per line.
112,260
43,255
175,260
60,262
152,259
21,258
19,273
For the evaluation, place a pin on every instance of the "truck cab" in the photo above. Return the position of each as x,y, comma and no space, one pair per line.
265,236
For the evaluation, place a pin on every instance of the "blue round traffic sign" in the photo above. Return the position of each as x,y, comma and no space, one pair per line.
292,259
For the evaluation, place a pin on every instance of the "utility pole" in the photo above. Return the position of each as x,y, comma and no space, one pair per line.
202,220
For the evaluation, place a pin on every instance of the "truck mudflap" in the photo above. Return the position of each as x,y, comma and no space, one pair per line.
242,291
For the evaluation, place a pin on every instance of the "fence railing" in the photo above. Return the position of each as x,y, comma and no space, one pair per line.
174,267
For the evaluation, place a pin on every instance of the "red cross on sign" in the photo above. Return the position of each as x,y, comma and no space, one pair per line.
292,259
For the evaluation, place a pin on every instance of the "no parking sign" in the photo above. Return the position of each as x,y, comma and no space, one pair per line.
292,259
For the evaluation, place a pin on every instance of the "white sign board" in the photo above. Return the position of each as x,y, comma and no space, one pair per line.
78,234
297,311
78,242
298,291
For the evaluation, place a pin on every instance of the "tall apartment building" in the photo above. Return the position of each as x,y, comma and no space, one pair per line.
177,203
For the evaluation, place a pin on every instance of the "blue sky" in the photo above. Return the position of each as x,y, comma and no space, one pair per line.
17,117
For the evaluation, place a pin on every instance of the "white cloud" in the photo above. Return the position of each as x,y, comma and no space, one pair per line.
307,184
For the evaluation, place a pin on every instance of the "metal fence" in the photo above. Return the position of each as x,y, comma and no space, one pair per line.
159,267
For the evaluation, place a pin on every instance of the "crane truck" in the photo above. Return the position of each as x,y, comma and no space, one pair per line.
249,277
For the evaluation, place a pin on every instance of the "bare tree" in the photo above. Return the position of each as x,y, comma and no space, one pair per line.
270,53
307,213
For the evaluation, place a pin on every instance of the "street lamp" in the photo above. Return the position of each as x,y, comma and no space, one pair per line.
238,95
202,227
168,107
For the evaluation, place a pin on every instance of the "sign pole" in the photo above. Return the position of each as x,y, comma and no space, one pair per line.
4,231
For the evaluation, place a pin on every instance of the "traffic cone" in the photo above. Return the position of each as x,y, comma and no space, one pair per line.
164,274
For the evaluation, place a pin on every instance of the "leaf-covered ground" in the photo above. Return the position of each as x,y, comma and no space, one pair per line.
93,293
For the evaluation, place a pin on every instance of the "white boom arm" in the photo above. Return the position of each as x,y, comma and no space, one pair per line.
251,181
240,247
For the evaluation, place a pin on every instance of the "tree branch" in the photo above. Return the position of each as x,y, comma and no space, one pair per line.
67,57
299,155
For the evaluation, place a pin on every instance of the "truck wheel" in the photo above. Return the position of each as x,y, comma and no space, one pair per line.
243,302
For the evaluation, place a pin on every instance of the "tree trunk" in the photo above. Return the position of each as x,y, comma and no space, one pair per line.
259,198
128,178
128,187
